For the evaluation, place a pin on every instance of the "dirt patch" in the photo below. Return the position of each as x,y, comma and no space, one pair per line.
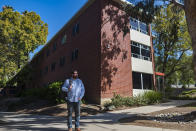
181,118
43,107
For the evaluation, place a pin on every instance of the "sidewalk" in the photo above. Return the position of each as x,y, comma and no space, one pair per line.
101,122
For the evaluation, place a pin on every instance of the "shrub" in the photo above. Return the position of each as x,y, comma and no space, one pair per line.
168,91
152,97
186,95
117,101
52,92
149,97
188,92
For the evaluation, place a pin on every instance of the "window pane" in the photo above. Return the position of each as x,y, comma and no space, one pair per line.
76,53
53,66
137,80
143,28
62,61
135,50
147,81
145,53
64,39
54,46
77,28
134,24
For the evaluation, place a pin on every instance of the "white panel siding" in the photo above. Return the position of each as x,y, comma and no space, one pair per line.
140,37
137,92
139,65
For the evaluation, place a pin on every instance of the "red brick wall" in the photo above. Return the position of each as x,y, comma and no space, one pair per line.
116,72
88,62
104,59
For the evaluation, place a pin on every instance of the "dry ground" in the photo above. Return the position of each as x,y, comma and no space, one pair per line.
43,107
148,119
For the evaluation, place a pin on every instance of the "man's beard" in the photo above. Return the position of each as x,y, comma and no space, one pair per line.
75,77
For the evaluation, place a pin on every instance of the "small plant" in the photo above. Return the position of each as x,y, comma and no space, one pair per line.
149,97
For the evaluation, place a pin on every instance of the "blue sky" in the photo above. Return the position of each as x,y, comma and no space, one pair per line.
55,13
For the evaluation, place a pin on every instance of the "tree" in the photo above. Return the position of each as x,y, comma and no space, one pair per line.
20,34
172,41
187,74
146,9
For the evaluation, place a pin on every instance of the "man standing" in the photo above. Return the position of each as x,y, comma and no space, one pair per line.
75,91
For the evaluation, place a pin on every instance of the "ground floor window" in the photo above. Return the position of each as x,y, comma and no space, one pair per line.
142,80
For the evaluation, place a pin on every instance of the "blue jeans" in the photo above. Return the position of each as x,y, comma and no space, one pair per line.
76,107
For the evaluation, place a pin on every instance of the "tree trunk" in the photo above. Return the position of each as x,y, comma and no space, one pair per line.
190,11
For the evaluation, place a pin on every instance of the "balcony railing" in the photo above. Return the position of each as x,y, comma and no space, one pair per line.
139,26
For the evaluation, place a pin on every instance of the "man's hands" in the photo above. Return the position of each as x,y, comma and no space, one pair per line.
70,88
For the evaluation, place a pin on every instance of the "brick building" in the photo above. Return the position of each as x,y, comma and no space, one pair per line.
109,58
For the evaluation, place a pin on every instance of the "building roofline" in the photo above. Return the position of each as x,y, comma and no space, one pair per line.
73,18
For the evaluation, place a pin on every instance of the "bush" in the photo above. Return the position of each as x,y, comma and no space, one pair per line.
186,95
150,97
168,92
188,92
52,92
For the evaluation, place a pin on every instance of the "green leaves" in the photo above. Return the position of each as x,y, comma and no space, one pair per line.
20,34
172,43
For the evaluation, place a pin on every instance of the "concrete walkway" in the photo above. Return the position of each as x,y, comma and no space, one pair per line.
101,122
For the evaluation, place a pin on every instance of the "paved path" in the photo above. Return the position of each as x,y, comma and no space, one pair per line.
101,122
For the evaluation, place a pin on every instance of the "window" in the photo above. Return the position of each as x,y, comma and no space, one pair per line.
136,80
74,55
64,39
75,29
48,53
140,51
142,80
147,81
134,24
46,70
62,61
143,28
54,47
139,26
53,66
145,54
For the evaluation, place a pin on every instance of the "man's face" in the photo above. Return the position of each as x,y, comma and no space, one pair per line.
75,74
